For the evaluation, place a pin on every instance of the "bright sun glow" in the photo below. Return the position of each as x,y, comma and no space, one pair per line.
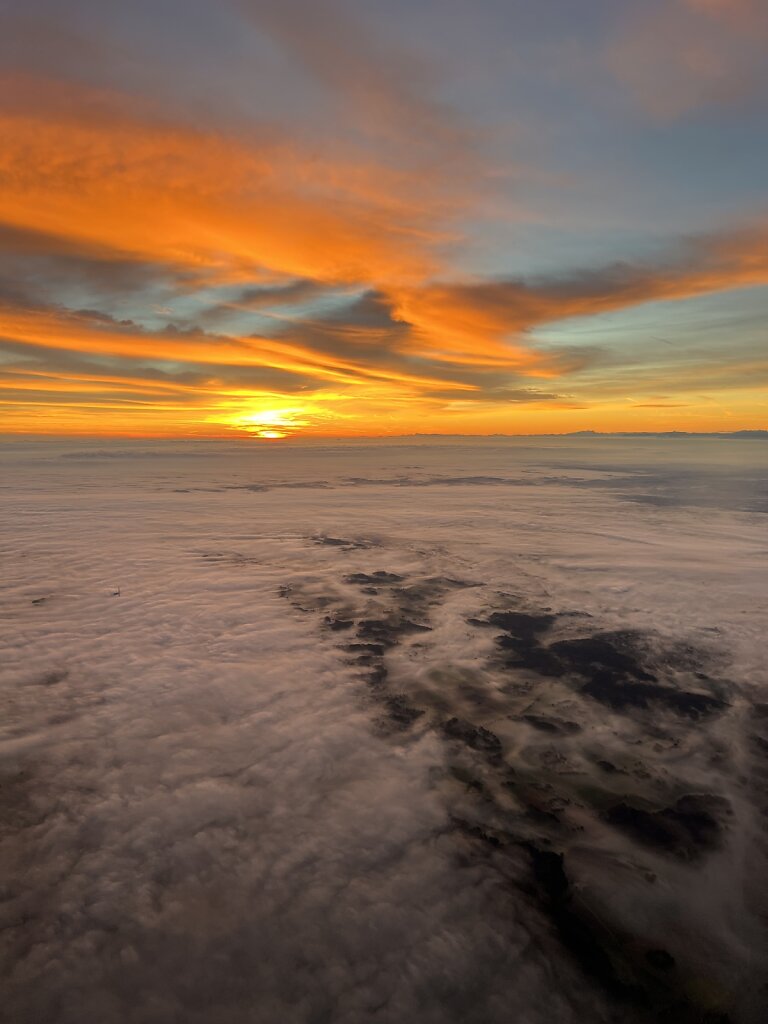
274,421
272,424
272,418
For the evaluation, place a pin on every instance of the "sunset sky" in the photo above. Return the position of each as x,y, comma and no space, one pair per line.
317,217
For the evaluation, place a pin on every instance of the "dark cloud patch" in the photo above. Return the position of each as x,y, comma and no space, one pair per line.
31,261
688,830
371,309
258,298
366,332
703,263
527,759
362,330
182,364
30,363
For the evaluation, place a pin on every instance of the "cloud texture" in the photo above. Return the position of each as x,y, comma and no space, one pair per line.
206,812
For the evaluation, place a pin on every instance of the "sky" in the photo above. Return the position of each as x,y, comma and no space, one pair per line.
290,218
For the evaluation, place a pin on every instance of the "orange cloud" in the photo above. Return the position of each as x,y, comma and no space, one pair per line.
485,323
87,333
93,169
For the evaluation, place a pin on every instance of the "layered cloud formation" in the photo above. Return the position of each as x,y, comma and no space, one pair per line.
278,218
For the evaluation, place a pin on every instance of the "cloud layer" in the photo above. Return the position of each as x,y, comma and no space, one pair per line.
207,812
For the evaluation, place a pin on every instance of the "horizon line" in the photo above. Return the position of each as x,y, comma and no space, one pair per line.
738,434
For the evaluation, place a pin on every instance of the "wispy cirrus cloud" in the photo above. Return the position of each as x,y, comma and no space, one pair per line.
388,90
97,170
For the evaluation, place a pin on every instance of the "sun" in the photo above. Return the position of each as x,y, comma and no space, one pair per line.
273,421
272,424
